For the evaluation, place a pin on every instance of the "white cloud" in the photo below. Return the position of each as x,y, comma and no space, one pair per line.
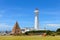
53,25
4,26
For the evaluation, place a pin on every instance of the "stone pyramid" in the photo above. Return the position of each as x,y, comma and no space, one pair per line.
16,29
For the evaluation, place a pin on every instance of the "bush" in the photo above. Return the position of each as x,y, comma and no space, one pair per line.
53,34
39,32
58,33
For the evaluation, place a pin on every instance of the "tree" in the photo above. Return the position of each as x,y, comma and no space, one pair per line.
58,30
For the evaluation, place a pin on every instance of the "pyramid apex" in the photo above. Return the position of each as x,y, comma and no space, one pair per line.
16,22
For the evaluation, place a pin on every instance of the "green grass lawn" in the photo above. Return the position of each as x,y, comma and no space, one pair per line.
29,38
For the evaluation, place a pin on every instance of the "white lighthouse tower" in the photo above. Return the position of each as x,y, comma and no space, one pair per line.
36,24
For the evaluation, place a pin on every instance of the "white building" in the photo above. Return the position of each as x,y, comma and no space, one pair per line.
36,24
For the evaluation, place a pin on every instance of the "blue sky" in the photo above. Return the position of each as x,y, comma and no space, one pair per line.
23,12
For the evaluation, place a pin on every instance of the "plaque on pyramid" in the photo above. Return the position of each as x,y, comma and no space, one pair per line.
16,29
